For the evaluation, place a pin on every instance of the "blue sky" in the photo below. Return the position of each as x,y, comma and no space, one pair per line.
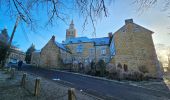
154,19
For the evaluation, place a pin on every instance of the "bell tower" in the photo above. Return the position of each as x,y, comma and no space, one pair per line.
71,32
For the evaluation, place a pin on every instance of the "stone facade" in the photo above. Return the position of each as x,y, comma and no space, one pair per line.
131,47
134,48
80,55
16,55
50,55
35,58
85,50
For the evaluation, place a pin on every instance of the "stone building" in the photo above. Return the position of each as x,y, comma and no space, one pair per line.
15,53
134,48
130,48
50,55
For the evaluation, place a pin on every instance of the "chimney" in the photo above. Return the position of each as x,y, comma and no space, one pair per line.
110,34
127,21
53,38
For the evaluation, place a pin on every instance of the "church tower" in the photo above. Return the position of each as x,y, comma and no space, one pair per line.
71,32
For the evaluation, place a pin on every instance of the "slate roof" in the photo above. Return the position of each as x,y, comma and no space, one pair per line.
101,41
97,41
61,46
77,40
37,51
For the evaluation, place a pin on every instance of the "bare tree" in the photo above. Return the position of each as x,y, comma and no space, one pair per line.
145,4
55,9
25,10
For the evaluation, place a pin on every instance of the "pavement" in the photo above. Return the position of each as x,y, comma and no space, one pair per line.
105,89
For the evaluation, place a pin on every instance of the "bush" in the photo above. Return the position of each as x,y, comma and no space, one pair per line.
135,76
101,67
143,69
109,67
115,73
3,53
118,74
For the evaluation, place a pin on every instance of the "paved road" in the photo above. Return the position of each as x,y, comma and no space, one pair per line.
104,89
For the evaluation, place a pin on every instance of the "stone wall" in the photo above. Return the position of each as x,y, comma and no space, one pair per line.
16,55
88,52
49,57
35,58
134,47
81,56
105,56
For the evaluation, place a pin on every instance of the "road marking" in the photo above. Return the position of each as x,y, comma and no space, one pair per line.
56,79
81,90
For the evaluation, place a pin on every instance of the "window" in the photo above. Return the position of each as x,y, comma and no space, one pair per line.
68,33
91,51
125,67
136,29
103,51
72,33
143,52
79,48
119,66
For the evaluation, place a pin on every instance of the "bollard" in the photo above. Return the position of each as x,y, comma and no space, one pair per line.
12,73
23,81
71,94
37,87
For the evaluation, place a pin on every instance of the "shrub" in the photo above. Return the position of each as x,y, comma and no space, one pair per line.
109,67
101,67
135,76
115,73
3,53
143,69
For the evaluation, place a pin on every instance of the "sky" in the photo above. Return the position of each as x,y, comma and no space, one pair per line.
153,19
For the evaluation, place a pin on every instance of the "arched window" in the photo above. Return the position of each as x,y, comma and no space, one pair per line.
125,67
119,65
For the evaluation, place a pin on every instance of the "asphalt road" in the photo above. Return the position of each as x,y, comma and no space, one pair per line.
104,89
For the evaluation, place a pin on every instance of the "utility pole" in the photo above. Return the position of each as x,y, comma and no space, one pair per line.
11,38
13,32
